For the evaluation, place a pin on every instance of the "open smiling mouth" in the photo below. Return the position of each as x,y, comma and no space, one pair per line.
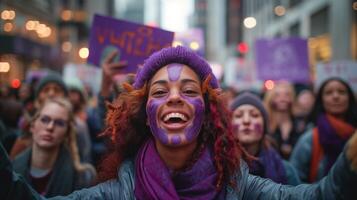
174,121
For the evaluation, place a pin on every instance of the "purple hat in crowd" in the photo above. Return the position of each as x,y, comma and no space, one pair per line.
180,55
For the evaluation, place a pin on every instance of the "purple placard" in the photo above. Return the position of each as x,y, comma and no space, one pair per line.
192,38
284,58
134,42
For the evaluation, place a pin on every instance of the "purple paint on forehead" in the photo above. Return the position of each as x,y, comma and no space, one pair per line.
174,71
175,140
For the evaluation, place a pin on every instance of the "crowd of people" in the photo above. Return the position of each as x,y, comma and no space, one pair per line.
170,132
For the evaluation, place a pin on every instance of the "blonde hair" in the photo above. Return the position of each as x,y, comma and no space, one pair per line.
71,140
268,100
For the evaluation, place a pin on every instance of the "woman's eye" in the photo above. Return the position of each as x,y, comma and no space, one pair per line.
159,93
190,92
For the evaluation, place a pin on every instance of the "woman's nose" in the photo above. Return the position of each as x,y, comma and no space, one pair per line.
174,97
246,119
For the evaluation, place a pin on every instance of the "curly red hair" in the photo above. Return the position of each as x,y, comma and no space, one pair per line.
126,126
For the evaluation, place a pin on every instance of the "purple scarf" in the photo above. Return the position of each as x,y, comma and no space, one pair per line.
269,165
330,141
153,179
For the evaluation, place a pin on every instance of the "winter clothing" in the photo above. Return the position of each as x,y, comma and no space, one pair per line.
50,78
339,183
64,178
312,156
181,55
269,164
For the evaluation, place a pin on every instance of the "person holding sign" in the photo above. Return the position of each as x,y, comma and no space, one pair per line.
334,116
173,139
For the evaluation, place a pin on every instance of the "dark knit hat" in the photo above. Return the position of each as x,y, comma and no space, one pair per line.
254,100
179,54
51,77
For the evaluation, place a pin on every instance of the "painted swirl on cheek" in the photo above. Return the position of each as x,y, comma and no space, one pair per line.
258,129
235,128
151,111
192,131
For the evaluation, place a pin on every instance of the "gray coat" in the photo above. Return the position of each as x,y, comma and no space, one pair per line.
301,158
339,184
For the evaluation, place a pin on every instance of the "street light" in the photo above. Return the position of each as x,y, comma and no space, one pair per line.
250,22
83,52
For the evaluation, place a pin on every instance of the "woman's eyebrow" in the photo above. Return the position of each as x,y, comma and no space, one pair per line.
160,82
189,81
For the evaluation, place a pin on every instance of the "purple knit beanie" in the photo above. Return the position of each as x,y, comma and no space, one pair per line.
179,54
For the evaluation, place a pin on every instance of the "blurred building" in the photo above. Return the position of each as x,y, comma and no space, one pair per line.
44,34
329,25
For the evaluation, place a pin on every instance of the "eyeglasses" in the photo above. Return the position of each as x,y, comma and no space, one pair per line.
46,120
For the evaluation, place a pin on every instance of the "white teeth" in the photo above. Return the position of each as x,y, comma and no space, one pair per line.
175,115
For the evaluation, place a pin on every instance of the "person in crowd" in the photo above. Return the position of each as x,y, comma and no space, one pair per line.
49,86
250,125
230,93
173,139
303,105
279,105
78,98
10,113
334,116
51,165
112,78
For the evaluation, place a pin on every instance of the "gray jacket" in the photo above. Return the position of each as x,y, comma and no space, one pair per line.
301,158
339,184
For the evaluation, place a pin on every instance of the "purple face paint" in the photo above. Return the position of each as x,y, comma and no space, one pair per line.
174,71
235,128
192,131
151,111
175,140
258,129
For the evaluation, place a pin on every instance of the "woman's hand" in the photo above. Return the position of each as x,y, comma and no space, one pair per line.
109,70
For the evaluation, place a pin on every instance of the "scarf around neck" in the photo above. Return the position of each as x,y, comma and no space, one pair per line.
154,180
333,133
269,165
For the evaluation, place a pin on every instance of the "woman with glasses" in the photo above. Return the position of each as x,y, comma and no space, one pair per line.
51,165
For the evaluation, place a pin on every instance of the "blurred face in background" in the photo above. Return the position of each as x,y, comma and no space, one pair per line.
335,98
282,98
248,124
24,92
50,90
305,102
50,128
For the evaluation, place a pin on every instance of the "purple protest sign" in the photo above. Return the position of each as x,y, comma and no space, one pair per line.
134,42
284,58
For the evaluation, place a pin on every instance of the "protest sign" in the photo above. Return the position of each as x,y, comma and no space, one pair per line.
282,59
346,70
134,42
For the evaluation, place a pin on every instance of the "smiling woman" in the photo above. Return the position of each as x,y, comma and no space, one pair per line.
172,139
